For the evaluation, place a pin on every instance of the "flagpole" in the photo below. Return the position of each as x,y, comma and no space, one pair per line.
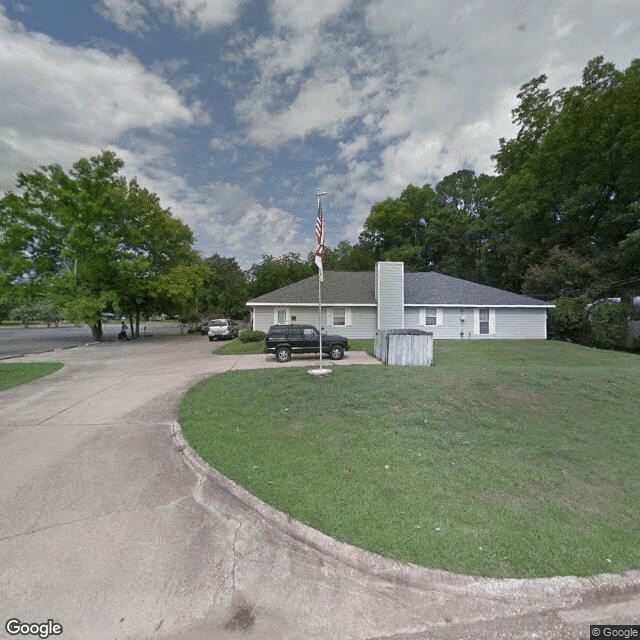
320,312
319,256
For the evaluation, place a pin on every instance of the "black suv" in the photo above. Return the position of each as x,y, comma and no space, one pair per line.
285,339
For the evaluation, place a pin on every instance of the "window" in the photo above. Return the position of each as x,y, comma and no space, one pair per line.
484,321
430,316
309,333
281,316
339,317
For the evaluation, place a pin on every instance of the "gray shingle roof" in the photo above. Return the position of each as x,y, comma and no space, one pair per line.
429,289
338,287
434,289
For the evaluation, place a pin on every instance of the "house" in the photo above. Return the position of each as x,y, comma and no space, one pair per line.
357,304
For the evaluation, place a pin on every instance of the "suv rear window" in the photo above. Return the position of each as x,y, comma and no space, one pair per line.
277,332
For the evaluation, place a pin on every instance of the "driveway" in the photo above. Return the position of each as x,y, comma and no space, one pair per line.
111,528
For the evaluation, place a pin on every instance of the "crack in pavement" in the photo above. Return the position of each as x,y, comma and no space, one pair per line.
97,518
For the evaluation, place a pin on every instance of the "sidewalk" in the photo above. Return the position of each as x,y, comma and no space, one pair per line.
114,529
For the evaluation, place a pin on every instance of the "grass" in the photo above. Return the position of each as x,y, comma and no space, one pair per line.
504,459
13,374
237,348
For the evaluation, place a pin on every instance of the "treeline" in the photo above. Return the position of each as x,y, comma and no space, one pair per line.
559,220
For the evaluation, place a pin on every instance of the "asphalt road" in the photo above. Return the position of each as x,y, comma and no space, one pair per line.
18,341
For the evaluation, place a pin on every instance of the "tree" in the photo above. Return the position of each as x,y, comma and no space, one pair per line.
87,239
184,284
569,179
443,229
561,273
226,290
348,257
273,273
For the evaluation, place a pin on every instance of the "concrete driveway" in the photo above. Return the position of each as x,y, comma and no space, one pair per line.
113,529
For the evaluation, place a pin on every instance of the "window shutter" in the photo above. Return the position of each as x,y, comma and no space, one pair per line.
423,316
476,321
439,319
492,321
347,316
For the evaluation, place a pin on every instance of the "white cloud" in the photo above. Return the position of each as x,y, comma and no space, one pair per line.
68,101
226,218
129,15
349,150
322,105
205,15
303,15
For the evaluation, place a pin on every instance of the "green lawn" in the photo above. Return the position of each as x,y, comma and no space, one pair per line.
13,374
504,459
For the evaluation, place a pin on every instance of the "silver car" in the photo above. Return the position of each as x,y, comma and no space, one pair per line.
222,328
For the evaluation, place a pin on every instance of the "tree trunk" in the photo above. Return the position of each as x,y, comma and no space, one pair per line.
137,323
131,325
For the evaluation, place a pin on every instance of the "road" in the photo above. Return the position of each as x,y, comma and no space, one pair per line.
18,341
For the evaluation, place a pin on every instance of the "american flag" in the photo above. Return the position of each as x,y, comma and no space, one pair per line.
321,249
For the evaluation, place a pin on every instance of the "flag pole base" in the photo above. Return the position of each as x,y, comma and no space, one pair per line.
319,372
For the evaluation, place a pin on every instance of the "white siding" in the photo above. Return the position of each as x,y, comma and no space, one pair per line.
510,323
390,294
363,319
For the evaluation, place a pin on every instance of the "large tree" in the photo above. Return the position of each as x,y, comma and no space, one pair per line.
443,228
570,178
272,273
226,290
88,239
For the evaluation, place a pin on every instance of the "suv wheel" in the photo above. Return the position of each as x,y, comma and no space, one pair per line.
336,352
283,354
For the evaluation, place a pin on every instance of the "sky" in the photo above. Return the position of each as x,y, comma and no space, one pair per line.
236,111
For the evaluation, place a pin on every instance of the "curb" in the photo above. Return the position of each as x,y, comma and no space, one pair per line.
517,595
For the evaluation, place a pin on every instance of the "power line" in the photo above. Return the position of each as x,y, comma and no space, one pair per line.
584,291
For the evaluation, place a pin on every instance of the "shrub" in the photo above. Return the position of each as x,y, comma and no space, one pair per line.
608,322
251,336
568,320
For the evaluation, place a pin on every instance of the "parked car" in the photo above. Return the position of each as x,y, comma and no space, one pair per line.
222,328
286,339
204,329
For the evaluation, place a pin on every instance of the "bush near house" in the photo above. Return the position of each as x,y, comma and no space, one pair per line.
601,324
251,336
608,324
568,320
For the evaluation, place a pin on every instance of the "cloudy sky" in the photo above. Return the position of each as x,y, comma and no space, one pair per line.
236,111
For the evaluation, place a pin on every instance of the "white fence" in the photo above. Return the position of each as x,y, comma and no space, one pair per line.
404,347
